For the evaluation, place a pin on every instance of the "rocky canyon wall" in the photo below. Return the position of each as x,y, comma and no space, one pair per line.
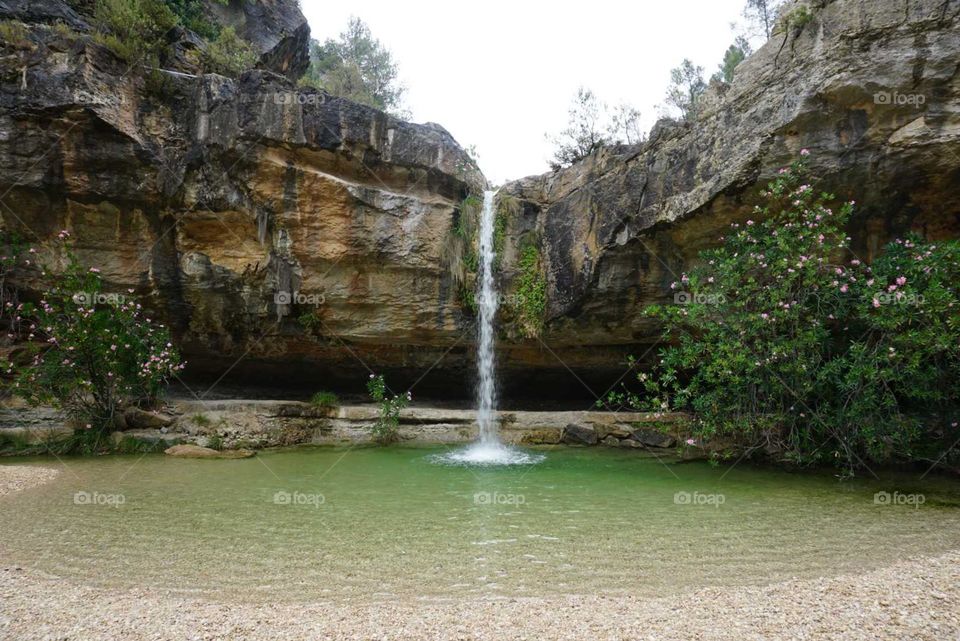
295,239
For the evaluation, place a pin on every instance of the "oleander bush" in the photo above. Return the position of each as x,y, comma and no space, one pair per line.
784,338
90,353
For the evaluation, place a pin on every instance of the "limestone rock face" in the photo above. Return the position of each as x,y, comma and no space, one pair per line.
870,88
284,234
293,238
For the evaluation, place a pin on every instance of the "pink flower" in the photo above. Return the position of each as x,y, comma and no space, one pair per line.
804,152
902,281
690,441
876,303
844,288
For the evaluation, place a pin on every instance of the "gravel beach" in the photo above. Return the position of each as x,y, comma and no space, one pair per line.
914,599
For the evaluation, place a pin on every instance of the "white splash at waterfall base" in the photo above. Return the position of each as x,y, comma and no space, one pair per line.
488,450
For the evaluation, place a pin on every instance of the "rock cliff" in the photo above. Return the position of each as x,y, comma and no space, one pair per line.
293,238
237,207
870,88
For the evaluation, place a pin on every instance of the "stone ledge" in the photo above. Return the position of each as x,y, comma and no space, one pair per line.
270,423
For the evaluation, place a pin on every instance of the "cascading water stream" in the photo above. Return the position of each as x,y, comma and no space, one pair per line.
488,450
487,312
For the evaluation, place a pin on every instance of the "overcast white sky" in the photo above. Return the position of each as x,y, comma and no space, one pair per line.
500,74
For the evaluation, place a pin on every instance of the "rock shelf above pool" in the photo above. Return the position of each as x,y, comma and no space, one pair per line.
242,423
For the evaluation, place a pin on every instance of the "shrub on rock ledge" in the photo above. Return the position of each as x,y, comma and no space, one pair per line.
386,429
92,352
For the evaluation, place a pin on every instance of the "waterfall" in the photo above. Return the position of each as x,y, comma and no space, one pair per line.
486,313
488,450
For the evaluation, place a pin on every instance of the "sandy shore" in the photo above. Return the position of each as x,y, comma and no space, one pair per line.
915,599
21,477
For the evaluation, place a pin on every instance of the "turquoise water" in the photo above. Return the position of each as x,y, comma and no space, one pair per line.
370,523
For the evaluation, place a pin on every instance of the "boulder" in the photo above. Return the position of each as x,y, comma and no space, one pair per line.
195,451
574,434
138,419
653,438
276,28
610,441
610,429
542,436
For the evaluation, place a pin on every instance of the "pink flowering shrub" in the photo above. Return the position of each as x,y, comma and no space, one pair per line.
786,340
91,352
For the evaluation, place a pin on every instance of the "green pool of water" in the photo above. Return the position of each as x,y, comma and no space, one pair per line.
369,523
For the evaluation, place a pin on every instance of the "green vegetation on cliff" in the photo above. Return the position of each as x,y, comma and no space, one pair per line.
229,54
356,66
136,31
459,253
324,400
193,15
531,291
